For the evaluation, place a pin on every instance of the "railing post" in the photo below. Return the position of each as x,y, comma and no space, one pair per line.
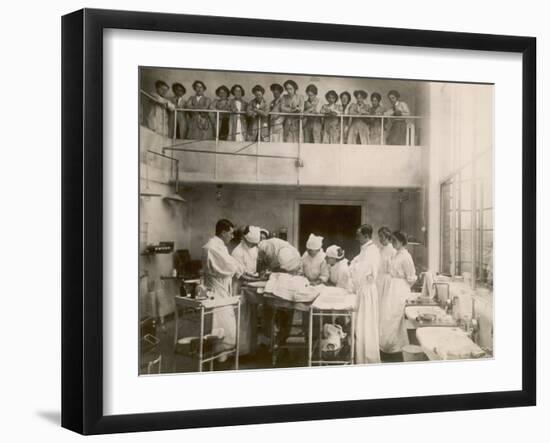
175,124
217,128
382,138
342,129
300,129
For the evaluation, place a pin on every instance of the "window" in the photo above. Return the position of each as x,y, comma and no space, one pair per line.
467,221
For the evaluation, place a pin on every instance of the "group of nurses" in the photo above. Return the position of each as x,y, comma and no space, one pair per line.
274,120
380,276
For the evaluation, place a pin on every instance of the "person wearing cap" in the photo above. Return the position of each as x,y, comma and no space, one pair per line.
158,109
331,121
397,127
200,126
276,255
363,270
339,274
264,234
312,125
276,121
393,333
258,112
221,103
345,100
237,120
219,271
359,129
178,101
375,124
313,261
291,103
246,253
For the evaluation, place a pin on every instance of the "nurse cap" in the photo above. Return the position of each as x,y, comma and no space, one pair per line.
253,235
334,251
314,242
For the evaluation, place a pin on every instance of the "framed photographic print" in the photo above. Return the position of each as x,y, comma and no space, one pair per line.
308,220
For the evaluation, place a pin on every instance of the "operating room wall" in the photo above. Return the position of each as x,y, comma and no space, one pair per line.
274,208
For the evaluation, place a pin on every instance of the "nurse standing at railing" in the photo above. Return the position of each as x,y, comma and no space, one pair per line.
258,111
200,127
181,120
276,121
221,104
312,125
237,121
292,103
345,100
375,124
359,130
397,131
331,124
156,115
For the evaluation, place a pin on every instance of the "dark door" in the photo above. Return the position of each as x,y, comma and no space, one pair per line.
336,223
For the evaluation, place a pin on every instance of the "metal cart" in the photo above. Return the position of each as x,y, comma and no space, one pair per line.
320,310
205,307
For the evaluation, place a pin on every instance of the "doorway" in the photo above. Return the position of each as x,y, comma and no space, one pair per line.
337,222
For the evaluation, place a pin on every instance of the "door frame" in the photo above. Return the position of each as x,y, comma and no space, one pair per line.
323,202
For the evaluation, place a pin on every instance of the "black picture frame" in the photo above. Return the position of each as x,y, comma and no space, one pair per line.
82,218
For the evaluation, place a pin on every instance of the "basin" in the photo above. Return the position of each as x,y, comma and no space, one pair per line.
412,312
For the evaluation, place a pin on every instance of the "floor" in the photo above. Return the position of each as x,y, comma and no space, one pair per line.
188,325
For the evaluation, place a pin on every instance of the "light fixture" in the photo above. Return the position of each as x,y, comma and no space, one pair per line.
175,197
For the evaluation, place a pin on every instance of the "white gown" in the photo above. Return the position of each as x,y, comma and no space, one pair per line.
363,270
393,334
340,275
315,268
219,270
248,258
384,278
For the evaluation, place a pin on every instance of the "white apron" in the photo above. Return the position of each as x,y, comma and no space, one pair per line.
219,270
248,258
363,270
393,333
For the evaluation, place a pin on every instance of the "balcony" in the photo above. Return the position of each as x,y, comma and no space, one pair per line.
260,161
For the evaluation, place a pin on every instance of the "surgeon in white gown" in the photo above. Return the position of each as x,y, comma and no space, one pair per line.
219,269
363,270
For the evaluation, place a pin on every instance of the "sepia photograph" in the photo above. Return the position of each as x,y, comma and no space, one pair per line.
294,220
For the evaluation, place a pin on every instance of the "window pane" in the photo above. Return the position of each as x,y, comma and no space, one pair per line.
487,219
466,245
466,194
466,220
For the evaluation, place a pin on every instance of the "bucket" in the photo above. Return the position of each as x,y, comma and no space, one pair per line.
413,353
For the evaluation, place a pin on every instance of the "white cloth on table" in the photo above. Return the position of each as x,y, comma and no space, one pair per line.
364,269
315,268
393,333
289,287
339,275
338,299
219,270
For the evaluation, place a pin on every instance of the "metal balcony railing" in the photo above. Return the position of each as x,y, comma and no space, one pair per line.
162,117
